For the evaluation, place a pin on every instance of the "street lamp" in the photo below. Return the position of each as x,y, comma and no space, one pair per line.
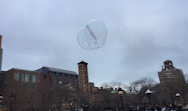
70,104
1,100
148,92
120,92
12,97
85,107
178,105
177,96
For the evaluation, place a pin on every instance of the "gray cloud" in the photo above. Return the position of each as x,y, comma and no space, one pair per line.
141,35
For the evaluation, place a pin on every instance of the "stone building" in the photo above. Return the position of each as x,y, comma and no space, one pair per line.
172,81
169,72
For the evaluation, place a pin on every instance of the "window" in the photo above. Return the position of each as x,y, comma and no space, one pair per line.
45,76
65,80
38,78
80,67
85,72
28,85
26,77
85,67
60,79
83,79
16,76
70,81
23,77
54,78
76,82
34,78
53,73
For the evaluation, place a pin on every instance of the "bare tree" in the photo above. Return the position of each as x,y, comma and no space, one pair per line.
114,85
186,78
137,85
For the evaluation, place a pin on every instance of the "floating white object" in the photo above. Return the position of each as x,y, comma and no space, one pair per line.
92,35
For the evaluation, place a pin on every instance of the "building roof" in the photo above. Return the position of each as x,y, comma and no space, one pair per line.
168,61
22,69
82,62
59,70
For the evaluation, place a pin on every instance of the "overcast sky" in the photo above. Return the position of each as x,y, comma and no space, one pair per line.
141,35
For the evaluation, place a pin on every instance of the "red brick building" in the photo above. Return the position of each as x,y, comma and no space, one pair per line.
58,76
25,88
18,87
44,75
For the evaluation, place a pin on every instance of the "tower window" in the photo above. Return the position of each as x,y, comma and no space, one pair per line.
85,67
80,67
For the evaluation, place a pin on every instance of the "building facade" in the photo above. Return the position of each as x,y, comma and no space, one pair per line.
18,87
15,79
172,81
46,75
169,72
83,76
23,89
58,76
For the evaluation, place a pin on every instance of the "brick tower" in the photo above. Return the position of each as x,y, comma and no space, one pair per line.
83,76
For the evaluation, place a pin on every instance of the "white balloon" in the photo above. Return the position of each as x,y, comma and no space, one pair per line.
92,35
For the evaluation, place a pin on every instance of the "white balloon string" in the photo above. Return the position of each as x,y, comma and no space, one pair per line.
91,32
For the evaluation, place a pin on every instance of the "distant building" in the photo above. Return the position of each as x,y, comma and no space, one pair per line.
21,78
83,76
1,53
48,76
19,82
44,75
172,81
59,76
24,86
18,78
91,84
15,83
169,72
